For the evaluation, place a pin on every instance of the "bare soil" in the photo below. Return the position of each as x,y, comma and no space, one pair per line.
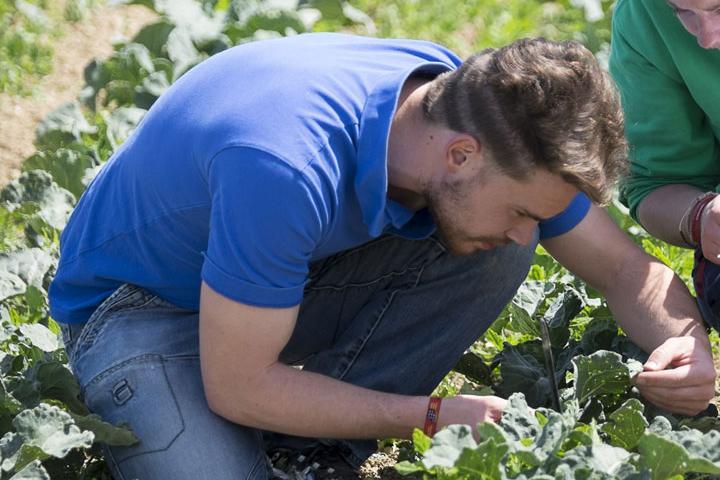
90,38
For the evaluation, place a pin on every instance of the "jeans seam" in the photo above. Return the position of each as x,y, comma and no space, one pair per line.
378,321
364,246
365,284
332,260
97,315
93,330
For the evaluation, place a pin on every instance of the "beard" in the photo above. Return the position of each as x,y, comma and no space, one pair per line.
446,208
447,230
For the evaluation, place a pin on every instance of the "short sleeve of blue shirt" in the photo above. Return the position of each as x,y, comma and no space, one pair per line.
566,220
265,222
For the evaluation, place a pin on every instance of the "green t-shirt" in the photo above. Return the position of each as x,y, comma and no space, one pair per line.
670,89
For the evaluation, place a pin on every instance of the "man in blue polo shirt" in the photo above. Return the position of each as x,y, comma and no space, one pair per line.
364,208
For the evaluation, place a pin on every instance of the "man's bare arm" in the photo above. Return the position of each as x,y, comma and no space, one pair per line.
245,383
660,212
651,304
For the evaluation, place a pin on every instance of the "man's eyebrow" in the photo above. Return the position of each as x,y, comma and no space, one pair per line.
535,217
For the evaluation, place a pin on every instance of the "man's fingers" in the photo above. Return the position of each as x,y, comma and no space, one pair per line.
683,376
660,359
684,407
673,377
703,393
672,352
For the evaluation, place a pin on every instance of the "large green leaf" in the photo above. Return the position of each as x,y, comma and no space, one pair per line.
705,445
483,462
32,471
16,454
474,368
421,442
602,373
598,335
447,446
37,186
154,36
525,304
119,75
190,16
563,309
523,370
121,123
131,62
54,380
21,268
280,16
664,458
67,167
150,90
13,220
64,125
518,420
105,432
52,430
553,435
40,336
519,449
626,425
182,52
599,459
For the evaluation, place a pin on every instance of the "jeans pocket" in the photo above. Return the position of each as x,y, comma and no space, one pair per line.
137,393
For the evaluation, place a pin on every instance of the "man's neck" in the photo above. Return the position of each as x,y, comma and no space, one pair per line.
408,146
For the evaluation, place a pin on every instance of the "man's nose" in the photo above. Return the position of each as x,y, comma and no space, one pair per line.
708,35
523,235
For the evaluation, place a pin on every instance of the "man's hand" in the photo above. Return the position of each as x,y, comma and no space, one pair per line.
679,376
652,306
471,410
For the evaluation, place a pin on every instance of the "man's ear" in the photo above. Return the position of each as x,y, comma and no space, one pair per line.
462,151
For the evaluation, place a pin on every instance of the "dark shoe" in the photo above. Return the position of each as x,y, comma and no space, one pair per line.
319,463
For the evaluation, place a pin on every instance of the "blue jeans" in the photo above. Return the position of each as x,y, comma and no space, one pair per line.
393,315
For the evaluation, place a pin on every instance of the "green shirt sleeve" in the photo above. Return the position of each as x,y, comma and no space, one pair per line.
672,137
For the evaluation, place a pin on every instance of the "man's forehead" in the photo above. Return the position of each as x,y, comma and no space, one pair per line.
707,5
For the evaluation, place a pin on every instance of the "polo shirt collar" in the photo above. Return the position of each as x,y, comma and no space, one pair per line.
371,184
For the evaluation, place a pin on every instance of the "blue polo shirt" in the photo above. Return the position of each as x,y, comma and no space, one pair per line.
258,161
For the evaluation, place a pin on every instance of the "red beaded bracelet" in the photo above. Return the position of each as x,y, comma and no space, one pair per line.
432,415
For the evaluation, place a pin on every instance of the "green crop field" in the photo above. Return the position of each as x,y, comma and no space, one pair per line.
603,429
28,30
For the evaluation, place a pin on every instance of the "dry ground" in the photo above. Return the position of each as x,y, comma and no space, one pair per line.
81,42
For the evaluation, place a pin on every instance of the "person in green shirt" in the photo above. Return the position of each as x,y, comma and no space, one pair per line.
665,58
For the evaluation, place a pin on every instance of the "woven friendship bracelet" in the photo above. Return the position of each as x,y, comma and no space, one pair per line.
432,415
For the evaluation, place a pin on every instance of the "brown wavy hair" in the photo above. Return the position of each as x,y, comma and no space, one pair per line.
537,103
